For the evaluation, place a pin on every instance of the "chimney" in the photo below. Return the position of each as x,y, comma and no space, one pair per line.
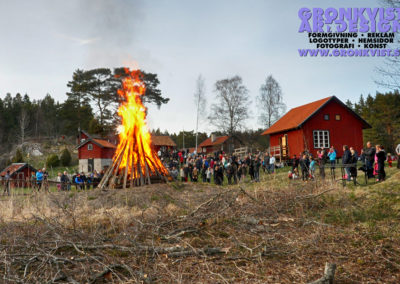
213,137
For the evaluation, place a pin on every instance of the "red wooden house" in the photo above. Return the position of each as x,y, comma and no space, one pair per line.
219,143
314,126
163,143
20,174
95,154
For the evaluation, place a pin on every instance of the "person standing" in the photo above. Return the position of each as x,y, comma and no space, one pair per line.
305,166
266,162
209,174
353,162
312,168
7,184
389,160
257,165
321,163
79,182
332,160
346,158
64,181
59,176
182,174
381,157
272,164
195,174
45,180
398,155
39,179
369,159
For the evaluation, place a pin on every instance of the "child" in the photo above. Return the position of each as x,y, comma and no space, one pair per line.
182,174
295,173
209,173
389,159
312,169
59,181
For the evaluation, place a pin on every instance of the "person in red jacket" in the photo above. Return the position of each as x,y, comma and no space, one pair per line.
389,159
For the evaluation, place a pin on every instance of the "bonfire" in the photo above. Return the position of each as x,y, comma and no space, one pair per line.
135,163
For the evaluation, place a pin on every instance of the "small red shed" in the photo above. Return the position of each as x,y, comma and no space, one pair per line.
20,174
314,126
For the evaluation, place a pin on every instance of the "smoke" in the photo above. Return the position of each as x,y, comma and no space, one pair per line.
105,30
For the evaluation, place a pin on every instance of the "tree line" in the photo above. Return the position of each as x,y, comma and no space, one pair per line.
382,112
91,104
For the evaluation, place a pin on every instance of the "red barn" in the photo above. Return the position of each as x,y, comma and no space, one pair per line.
20,174
95,154
314,126
219,143
163,143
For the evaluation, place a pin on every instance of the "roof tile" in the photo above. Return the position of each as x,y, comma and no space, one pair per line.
218,140
296,116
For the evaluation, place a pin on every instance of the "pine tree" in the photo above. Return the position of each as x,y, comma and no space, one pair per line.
65,158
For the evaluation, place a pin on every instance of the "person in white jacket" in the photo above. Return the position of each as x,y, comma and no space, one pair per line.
272,164
398,155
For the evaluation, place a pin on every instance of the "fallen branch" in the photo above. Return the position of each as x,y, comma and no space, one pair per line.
313,195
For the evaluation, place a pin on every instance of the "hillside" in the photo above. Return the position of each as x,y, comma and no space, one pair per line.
273,231
36,151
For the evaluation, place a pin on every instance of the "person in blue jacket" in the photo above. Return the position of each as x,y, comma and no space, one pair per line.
79,181
39,179
332,159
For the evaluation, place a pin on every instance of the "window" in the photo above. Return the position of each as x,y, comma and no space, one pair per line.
326,116
90,147
338,117
321,139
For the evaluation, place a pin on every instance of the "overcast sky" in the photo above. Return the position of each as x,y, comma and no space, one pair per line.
44,41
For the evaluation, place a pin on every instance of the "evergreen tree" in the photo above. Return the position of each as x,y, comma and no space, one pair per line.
18,158
65,158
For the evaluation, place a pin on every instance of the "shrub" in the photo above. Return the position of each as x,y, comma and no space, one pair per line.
65,158
18,157
52,161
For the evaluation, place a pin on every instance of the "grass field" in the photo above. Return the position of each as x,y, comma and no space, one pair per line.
274,231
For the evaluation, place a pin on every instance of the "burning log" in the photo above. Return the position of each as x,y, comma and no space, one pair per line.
135,163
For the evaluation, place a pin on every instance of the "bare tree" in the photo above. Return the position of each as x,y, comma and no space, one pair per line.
270,102
390,70
200,102
23,124
231,108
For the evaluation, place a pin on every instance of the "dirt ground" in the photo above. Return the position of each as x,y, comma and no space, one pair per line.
274,231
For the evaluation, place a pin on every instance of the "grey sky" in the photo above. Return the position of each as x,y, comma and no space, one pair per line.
44,41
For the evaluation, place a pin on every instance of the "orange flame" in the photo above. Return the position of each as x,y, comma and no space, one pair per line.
134,149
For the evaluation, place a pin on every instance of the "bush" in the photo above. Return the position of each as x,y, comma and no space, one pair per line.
65,158
18,157
52,161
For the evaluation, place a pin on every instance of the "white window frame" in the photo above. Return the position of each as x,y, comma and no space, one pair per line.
321,139
90,147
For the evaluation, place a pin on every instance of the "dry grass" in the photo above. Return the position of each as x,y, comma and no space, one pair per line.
268,232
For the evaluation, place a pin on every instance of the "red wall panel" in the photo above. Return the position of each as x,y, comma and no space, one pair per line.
346,131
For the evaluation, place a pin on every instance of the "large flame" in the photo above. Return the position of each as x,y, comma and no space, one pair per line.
138,157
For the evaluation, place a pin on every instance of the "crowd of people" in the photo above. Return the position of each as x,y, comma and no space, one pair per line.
214,168
185,166
64,181
372,163
194,167
81,181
